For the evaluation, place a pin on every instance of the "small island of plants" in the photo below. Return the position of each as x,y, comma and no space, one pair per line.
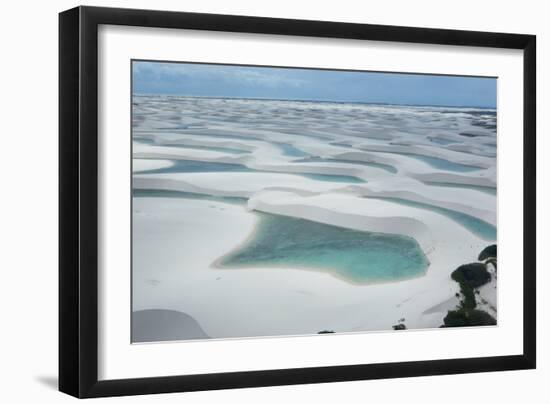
470,277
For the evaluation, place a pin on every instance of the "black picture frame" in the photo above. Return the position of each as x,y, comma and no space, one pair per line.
78,201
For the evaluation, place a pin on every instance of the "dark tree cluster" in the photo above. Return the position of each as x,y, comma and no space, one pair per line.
470,277
464,318
488,252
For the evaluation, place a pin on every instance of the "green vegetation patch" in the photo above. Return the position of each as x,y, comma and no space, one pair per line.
488,252
469,277
465,318
472,275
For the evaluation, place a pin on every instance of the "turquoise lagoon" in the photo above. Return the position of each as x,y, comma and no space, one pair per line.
442,141
314,159
480,188
480,228
160,193
291,151
354,256
439,163
443,164
229,150
281,241
192,166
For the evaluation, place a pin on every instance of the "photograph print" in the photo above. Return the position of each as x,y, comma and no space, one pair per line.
277,201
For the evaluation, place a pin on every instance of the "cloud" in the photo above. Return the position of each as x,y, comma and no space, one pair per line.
213,80
266,78
234,75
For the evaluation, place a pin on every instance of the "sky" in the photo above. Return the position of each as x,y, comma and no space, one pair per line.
208,80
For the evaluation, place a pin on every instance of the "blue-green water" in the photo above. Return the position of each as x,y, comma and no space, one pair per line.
229,150
439,163
152,193
291,151
192,166
281,241
477,226
442,141
355,256
334,178
216,135
443,164
143,140
385,167
480,188
342,145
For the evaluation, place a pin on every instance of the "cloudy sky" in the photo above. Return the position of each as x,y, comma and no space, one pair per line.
307,84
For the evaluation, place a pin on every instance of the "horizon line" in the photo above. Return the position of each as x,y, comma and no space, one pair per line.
311,100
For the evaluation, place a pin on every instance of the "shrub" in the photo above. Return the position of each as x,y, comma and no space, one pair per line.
455,318
399,327
471,275
479,317
326,332
468,318
488,252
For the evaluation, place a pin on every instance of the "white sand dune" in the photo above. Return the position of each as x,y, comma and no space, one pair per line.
239,184
231,184
177,241
164,325
438,152
139,165
143,151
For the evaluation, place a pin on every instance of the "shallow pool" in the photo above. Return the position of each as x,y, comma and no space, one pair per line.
291,151
439,163
313,159
354,256
221,149
480,188
192,166
482,229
